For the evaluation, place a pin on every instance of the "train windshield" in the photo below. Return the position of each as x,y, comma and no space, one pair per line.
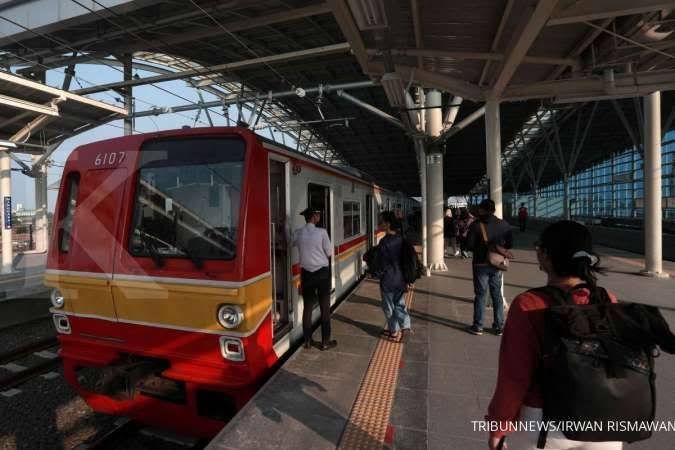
187,200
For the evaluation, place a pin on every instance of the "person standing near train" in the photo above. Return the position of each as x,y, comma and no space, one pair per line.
315,250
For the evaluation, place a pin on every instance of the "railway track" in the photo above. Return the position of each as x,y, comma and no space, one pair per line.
126,429
109,440
21,373
33,321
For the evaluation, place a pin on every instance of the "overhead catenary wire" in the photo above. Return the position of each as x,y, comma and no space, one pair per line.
184,62
63,44
241,42
66,45
78,78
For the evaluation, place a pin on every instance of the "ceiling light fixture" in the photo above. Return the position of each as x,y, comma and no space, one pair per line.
369,14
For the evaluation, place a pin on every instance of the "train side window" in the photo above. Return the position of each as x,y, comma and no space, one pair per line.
351,215
68,210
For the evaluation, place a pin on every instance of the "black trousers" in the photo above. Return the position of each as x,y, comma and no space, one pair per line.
316,286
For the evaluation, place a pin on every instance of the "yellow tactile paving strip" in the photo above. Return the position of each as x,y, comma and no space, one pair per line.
369,417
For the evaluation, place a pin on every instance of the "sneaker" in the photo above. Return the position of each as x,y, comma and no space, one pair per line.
498,331
457,253
473,329
328,345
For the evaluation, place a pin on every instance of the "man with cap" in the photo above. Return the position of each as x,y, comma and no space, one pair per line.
487,234
315,250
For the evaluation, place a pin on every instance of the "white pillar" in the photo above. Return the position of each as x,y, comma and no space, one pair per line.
652,183
493,147
41,232
5,192
421,160
434,198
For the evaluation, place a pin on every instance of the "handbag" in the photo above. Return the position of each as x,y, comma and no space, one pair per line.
494,258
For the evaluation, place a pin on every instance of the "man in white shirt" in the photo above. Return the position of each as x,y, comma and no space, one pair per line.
315,250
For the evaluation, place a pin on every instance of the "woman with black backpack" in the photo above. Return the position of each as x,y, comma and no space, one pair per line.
392,281
565,254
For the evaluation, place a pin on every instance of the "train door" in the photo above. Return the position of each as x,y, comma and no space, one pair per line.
369,220
87,239
319,198
279,251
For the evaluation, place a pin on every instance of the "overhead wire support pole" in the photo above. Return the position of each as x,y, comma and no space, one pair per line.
271,96
392,120
260,113
206,110
128,96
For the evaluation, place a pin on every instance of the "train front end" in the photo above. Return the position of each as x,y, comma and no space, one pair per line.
159,261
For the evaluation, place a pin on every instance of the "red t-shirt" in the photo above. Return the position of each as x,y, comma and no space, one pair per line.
520,356
522,212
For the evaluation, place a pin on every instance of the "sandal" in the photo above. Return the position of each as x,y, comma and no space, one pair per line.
385,334
395,337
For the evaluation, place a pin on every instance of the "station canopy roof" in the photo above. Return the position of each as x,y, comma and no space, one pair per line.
33,115
548,61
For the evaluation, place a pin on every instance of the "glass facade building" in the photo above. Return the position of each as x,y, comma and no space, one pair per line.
613,188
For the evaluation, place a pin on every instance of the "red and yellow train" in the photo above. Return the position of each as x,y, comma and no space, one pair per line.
175,289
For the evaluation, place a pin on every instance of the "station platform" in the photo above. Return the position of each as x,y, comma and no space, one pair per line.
369,393
26,278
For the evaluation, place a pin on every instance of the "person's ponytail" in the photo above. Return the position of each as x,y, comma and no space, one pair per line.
586,266
569,246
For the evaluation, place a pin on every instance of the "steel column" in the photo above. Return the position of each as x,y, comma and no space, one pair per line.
128,97
41,228
652,183
6,192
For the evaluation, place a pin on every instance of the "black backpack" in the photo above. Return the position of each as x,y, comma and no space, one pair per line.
411,267
598,365
372,258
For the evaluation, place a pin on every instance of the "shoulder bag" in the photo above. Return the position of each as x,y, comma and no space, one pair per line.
494,258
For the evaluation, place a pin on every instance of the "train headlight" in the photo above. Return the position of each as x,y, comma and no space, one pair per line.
57,299
230,316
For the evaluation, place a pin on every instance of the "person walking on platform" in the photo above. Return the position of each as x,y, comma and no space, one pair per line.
450,233
465,221
522,217
565,254
488,234
315,249
392,283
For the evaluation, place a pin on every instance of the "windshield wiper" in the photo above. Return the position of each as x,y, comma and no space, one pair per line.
146,239
196,260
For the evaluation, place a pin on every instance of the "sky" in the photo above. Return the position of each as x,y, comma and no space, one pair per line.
146,97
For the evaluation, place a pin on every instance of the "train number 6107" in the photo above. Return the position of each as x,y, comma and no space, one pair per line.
109,159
